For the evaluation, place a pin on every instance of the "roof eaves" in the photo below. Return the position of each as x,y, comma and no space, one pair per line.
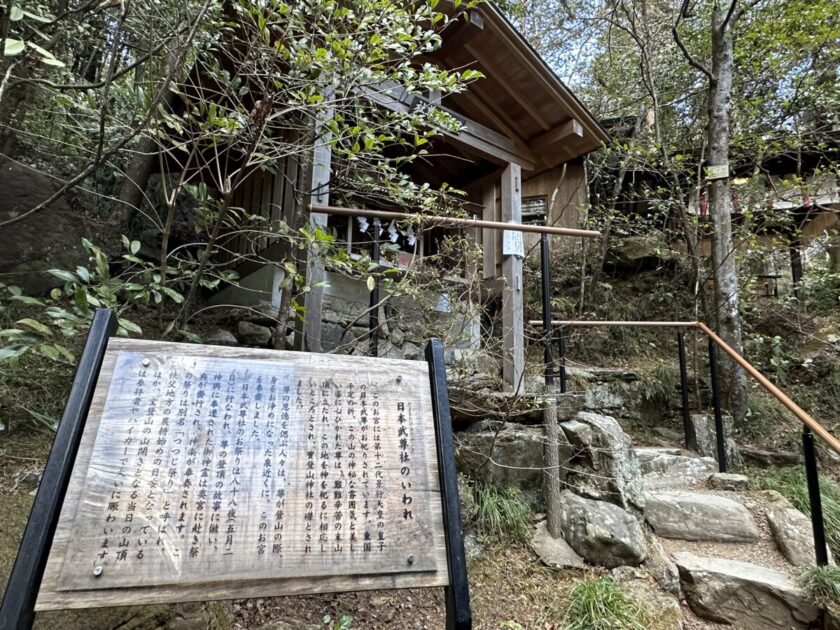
492,13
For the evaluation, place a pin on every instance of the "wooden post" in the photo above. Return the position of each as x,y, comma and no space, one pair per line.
513,362
308,336
551,471
488,236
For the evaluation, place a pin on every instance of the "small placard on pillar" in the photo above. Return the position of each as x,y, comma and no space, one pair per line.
513,244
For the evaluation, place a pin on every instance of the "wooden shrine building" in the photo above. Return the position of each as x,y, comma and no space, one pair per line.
519,157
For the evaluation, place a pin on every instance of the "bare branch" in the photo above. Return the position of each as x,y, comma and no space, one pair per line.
692,61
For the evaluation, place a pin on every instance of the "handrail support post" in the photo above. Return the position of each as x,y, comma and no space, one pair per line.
546,310
814,498
688,429
719,434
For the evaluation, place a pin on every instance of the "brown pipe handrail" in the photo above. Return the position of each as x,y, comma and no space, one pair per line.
452,221
595,322
777,393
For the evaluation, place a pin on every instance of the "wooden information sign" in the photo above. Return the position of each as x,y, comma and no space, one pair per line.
206,472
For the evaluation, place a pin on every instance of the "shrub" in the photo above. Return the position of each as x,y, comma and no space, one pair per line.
603,605
502,512
822,584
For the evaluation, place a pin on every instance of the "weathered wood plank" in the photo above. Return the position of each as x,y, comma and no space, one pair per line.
309,338
170,571
513,362
488,236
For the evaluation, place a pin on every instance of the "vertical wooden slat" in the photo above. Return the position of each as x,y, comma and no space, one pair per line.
289,184
488,237
265,205
513,362
309,337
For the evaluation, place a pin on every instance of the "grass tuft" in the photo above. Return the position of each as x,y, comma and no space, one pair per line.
603,605
502,512
822,585
791,483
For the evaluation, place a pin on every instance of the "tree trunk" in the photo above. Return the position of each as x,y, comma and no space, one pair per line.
723,254
147,154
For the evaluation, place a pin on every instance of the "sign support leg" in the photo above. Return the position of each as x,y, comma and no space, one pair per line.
18,607
458,614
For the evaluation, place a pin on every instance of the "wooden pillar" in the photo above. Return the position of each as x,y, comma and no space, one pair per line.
488,237
513,362
308,336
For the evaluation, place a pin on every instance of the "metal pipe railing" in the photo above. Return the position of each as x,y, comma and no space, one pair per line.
810,425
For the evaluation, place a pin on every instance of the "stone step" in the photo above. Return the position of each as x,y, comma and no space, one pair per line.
743,594
673,467
791,530
699,516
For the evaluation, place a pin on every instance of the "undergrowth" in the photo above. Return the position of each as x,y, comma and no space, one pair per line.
791,483
32,392
601,604
822,585
502,512
660,386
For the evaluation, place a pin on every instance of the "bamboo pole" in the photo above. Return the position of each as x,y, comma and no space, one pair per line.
454,222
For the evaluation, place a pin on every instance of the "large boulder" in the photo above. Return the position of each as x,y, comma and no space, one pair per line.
791,530
505,452
706,433
600,532
744,595
50,238
638,253
695,516
604,466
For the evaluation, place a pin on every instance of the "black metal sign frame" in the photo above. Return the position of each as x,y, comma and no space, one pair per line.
17,611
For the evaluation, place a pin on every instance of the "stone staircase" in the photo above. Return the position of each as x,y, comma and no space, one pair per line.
736,552
697,545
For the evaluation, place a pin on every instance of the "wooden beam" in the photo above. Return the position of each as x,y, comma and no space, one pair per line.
308,335
475,137
503,80
488,236
469,24
487,110
513,310
569,130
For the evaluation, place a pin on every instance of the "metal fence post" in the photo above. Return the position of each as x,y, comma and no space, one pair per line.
561,348
17,610
721,438
814,498
546,310
373,321
690,437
